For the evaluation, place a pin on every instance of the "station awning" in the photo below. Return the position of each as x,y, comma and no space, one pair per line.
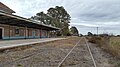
23,22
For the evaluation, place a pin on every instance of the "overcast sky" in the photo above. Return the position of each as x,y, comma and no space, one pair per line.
86,15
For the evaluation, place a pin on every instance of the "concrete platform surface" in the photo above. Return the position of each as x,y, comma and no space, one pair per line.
14,43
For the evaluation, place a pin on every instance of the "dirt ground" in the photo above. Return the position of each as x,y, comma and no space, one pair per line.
51,54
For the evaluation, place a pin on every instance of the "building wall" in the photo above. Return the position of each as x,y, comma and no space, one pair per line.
44,33
15,32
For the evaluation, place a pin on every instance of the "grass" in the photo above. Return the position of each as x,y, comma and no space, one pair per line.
114,46
109,44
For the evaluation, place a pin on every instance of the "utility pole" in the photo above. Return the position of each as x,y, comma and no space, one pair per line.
97,31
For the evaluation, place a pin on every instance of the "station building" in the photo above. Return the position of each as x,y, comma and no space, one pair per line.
16,27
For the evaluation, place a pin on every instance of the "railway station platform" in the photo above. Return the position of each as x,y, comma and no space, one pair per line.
15,43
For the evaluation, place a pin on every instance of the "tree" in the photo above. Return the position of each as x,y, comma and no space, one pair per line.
57,17
43,18
90,34
80,35
60,14
74,31
62,18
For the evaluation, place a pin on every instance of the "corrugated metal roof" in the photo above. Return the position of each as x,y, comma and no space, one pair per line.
28,20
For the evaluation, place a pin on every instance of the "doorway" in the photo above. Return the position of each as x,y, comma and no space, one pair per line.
0,33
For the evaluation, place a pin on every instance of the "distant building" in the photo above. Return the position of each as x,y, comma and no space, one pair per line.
16,27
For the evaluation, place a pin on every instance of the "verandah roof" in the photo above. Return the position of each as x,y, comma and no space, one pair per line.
20,21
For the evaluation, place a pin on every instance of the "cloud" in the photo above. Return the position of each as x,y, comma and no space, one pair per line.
101,11
86,10
85,13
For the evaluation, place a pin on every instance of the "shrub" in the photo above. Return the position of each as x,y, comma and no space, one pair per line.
94,39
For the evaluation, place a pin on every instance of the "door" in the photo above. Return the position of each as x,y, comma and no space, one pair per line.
33,34
0,33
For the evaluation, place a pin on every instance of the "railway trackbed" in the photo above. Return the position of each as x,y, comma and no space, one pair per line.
72,52
79,55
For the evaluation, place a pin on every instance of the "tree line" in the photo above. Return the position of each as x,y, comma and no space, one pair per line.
57,17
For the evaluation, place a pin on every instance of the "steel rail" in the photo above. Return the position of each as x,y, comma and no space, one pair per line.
90,53
68,53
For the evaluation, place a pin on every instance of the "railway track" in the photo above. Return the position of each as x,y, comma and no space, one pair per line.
78,54
68,55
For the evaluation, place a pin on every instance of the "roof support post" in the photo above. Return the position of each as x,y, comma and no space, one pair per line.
40,33
54,34
47,33
9,31
25,32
